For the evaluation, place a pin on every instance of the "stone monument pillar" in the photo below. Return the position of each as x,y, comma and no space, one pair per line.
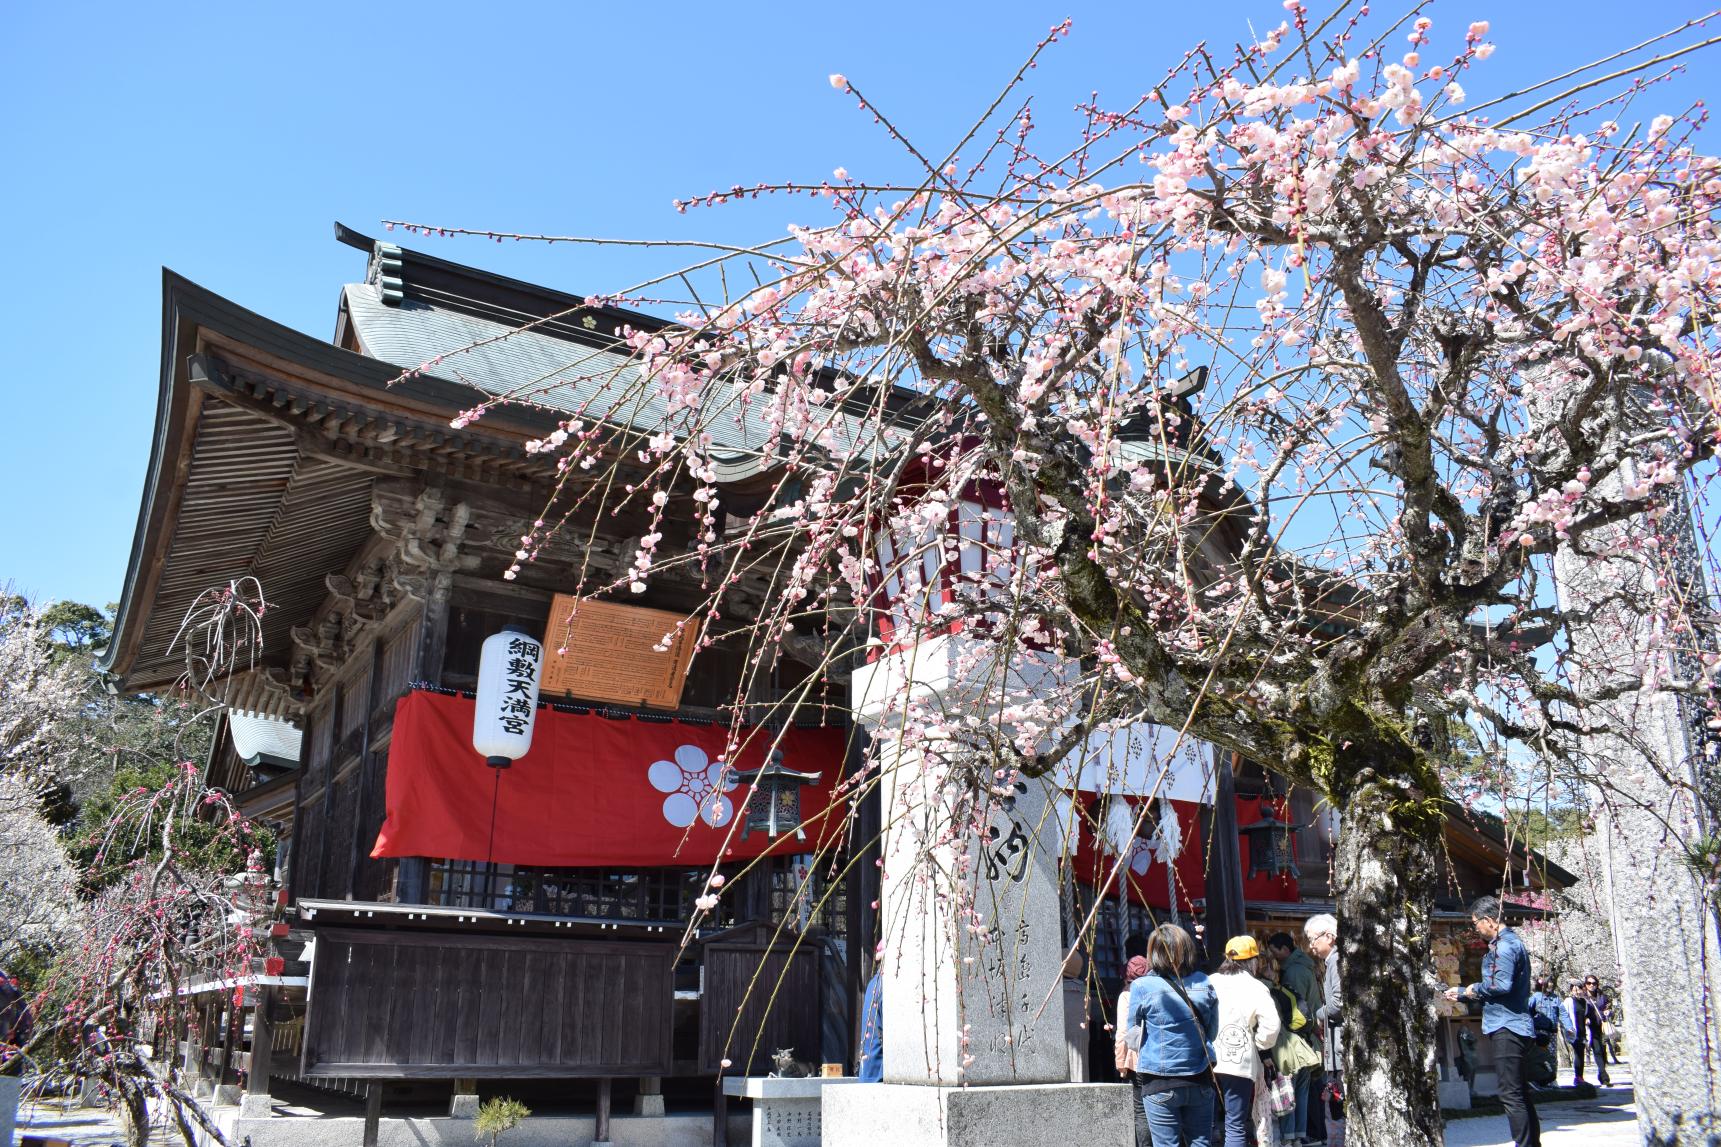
974,1045
1664,927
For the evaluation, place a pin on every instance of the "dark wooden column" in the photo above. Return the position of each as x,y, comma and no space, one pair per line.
231,1032
361,778
434,560
1224,858
863,889
262,1044
373,1114
208,1037
601,1131
306,740
327,842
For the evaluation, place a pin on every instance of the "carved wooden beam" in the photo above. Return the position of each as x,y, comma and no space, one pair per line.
428,532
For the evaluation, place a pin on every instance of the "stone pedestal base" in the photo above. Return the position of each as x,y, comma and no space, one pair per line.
9,1088
786,1112
226,1095
1024,1115
649,1099
1454,1095
463,1105
256,1105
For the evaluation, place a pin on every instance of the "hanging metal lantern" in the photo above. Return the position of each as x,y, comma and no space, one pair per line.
1270,846
775,803
509,669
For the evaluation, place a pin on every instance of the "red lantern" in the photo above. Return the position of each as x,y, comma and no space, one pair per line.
968,554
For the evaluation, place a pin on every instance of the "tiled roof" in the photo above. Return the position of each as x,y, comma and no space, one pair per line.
256,737
554,373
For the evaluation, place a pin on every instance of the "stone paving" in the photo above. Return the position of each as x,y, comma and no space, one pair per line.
67,1120
1609,1120
61,1119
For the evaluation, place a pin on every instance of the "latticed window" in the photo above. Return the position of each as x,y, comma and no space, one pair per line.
615,894
1108,937
807,895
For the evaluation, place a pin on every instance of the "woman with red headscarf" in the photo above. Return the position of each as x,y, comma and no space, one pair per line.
1128,1043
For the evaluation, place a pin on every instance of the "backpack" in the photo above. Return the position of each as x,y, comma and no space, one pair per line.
1540,1066
1290,1015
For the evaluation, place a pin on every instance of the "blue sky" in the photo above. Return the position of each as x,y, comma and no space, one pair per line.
223,141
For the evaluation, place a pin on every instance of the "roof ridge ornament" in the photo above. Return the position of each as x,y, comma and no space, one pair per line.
384,273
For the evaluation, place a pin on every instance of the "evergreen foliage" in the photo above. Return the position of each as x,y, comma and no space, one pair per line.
497,1117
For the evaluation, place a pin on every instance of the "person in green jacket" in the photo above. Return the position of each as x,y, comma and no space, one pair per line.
1300,976
1297,971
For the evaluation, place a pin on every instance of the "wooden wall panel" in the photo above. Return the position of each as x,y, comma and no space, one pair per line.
775,991
321,744
352,706
373,877
394,671
338,854
311,830
424,1005
307,855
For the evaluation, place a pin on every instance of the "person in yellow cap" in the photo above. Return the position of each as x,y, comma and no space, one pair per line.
1248,1026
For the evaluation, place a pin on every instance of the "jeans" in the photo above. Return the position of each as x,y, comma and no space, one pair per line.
1294,1124
1181,1117
1509,1051
1315,1111
1598,1050
1239,1095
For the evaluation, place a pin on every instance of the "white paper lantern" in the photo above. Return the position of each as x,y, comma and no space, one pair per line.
509,670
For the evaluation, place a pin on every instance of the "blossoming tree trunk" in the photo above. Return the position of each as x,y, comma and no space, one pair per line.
1388,853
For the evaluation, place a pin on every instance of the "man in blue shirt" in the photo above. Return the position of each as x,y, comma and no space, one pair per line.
1545,1010
1506,1019
871,1067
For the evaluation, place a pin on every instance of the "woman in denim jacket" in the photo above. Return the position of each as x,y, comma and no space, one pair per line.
1174,1008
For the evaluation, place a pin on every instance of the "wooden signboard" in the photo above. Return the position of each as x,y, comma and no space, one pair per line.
606,652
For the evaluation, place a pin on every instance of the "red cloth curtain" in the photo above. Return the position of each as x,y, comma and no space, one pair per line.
1145,876
1141,873
593,791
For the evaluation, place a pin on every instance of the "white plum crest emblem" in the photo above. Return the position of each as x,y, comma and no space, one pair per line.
695,784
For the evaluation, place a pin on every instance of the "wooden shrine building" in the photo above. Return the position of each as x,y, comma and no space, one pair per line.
379,524
379,535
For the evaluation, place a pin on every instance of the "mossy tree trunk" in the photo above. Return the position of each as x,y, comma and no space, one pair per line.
1386,869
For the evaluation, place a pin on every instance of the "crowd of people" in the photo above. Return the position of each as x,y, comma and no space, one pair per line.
1584,1019
1250,1054
1253,1054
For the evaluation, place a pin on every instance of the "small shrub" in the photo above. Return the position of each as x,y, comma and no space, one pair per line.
498,1116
